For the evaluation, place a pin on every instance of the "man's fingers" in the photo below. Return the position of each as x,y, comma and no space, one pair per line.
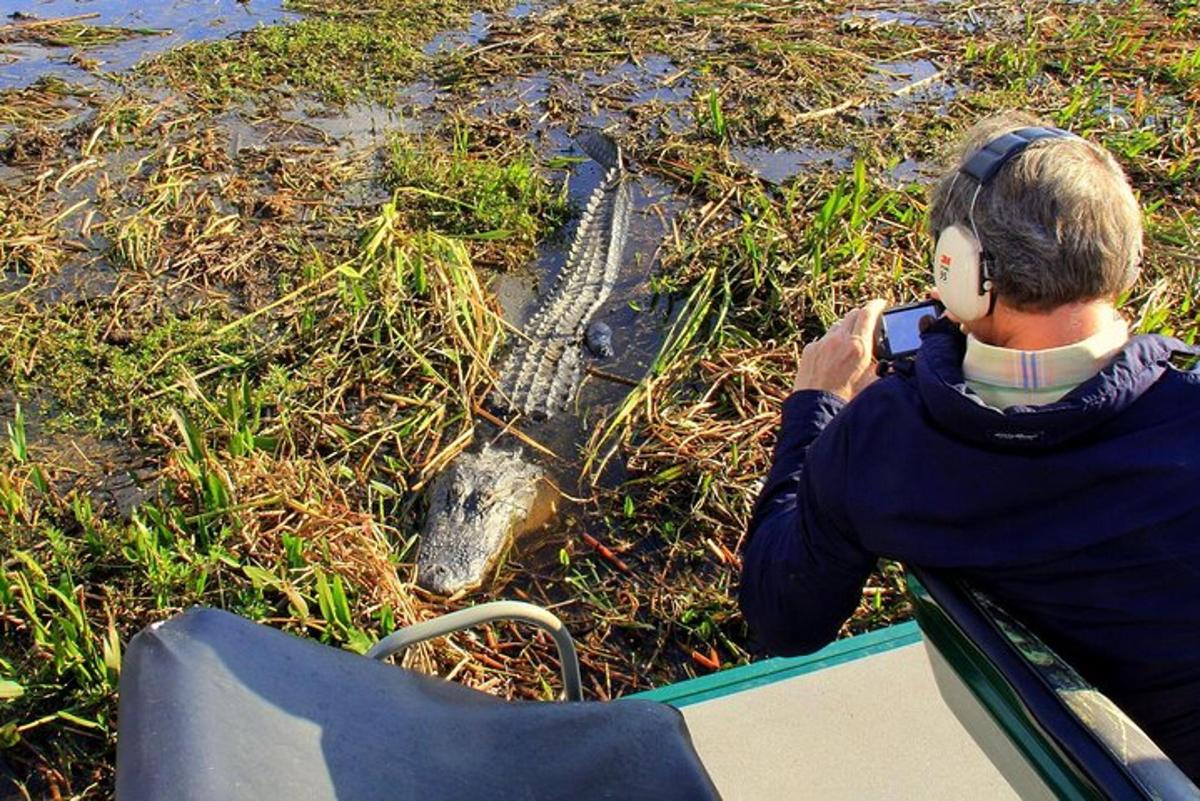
867,318
847,322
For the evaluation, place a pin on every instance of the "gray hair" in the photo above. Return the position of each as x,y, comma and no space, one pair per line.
1059,221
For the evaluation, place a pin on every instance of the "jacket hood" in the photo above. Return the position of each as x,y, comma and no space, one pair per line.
957,410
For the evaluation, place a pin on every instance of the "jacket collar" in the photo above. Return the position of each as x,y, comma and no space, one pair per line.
960,412
1042,371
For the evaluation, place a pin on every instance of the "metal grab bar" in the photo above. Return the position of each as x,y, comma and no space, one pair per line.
400,639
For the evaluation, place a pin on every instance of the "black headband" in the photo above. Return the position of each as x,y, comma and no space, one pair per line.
984,165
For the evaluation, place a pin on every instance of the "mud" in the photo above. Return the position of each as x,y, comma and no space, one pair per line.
105,471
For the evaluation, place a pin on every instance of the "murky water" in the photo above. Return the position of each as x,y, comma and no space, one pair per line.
936,15
916,85
779,166
449,41
169,22
654,82
880,17
114,477
912,171
523,95
360,125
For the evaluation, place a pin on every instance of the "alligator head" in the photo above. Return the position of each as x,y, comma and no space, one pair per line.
477,506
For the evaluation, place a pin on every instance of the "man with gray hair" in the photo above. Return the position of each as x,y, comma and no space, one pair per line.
1031,447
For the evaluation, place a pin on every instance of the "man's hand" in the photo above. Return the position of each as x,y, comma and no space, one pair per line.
841,362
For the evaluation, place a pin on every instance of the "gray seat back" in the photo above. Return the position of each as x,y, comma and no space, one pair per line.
214,706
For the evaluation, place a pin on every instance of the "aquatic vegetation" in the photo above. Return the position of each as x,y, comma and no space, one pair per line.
68,32
240,341
464,192
342,52
48,99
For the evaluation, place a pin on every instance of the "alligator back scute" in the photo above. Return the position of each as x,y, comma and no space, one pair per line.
543,371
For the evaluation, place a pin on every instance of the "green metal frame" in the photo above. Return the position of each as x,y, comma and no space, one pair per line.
997,696
769,671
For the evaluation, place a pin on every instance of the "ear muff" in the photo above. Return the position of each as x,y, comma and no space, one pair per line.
958,271
960,268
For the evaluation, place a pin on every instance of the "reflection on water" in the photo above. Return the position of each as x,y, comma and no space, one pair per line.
449,41
179,20
777,166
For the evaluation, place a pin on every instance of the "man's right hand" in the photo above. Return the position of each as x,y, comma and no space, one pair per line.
841,362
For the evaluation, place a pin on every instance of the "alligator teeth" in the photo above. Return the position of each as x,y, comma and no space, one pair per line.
542,373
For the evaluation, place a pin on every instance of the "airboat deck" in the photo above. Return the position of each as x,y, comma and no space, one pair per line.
835,725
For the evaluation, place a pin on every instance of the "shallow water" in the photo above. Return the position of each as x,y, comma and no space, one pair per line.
361,125
654,81
179,21
779,166
881,17
916,85
526,95
898,76
449,41
113,476
912,171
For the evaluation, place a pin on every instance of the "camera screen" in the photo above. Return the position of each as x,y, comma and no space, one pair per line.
903,327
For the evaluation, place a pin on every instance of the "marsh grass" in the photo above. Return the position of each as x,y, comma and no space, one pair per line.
343,51
69,32
465,192
48,99
275,371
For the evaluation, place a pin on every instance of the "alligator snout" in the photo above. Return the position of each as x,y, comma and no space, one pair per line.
442,579
477,506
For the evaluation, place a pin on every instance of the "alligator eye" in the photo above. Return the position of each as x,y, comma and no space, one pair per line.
472,503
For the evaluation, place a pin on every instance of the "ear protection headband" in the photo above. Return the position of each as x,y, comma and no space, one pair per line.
962,268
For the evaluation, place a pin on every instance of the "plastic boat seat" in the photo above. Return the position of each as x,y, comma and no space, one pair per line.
216,707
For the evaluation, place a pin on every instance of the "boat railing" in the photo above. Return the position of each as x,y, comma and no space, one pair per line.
1053,734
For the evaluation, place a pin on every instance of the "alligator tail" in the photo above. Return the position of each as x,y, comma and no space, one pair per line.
600,148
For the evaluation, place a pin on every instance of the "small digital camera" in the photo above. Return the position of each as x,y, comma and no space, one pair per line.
899,331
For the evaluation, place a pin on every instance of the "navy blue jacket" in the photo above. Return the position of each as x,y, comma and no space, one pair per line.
1081,517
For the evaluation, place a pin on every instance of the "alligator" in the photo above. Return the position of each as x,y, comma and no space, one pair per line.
543,371
483,500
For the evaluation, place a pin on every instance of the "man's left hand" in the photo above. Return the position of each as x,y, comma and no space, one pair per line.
842,361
